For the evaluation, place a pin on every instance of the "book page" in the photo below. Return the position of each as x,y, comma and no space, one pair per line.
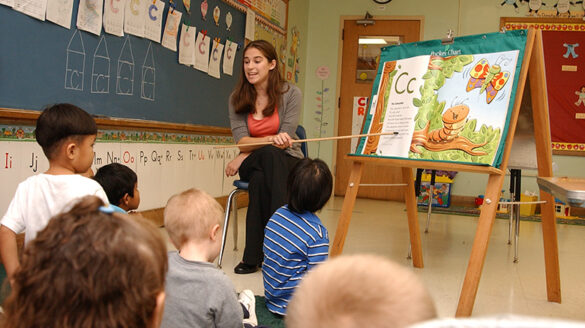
59,12
446,108
114,17
33,8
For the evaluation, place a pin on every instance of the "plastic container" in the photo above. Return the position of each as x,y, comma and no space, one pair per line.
527,209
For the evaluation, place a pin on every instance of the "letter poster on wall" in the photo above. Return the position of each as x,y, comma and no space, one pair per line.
448,102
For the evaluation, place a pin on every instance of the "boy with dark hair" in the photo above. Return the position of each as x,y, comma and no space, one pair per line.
121,185
295,240
67,135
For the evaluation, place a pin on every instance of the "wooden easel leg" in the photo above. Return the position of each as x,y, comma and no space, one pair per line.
347,208
412,213
551,251
544,159
480,244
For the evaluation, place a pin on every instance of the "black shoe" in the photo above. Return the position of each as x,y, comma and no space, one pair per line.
244,268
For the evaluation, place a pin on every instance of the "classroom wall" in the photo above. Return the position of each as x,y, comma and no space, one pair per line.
464,17
298,17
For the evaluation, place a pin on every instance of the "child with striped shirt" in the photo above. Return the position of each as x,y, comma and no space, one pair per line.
295,240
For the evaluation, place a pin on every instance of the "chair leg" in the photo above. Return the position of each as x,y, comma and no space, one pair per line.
225,224
430,209
512,209
235,224
516,232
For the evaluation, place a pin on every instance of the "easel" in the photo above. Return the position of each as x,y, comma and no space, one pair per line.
533,62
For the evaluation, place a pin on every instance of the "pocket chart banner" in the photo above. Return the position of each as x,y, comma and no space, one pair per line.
448,102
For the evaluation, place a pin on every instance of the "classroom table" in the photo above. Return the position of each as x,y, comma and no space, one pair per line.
569,190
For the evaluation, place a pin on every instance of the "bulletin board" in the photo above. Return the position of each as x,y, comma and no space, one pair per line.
564,54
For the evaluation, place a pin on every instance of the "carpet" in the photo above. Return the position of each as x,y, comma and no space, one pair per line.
472,211
265,317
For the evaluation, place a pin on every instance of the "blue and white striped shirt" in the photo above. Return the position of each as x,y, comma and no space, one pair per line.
293,244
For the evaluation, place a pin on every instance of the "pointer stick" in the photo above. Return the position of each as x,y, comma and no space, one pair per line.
313,139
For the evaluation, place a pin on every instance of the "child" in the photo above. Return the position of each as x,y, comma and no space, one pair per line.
90,267
121,186
199,294
359,291
295,240
66,134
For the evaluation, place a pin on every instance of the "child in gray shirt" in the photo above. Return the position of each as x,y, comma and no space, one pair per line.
197,293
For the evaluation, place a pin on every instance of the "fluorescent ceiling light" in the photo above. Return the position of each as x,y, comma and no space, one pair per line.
372,41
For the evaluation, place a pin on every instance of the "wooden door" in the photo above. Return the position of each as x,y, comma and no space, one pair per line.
357,82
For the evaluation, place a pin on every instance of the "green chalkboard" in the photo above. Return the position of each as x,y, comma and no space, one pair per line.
124,77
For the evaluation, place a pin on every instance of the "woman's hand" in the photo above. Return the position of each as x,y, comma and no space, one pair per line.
281,140
233,166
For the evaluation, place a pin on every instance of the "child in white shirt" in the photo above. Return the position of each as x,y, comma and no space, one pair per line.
66,134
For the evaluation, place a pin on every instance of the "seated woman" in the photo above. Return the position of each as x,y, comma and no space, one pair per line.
90,267
263,108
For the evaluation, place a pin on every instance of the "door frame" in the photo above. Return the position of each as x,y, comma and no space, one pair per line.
342,20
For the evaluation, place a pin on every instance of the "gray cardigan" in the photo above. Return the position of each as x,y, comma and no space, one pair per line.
289,112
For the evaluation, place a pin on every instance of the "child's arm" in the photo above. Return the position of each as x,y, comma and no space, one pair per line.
229,312
318,252
8,251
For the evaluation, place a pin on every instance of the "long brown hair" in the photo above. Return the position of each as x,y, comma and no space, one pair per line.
244,95
89,269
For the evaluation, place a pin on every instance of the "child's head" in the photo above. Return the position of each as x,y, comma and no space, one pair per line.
309,185
65,130
359,291
120,184
88,268
192,215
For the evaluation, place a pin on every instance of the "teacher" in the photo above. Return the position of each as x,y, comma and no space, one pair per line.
263,108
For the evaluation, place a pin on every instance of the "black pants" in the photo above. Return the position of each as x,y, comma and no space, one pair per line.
266,170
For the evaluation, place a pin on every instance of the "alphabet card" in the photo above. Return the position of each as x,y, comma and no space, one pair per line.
153,23
59,12
114,17
214,59
229,56
169,39
18,160
89,16
187,45
202,52
447,104
150,159
134,19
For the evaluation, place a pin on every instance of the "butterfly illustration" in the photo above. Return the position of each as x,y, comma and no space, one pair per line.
488,78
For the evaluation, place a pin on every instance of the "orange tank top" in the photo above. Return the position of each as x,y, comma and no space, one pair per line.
267,126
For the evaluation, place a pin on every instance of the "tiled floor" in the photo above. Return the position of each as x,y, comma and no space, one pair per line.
380,227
